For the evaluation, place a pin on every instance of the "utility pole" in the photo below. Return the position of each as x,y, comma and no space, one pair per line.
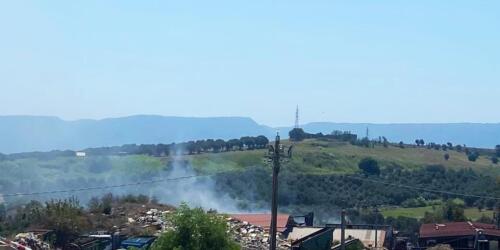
342,230
376,226
276,155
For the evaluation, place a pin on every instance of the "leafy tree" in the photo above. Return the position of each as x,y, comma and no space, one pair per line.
261,141
473,156
497,150
369,166
297,134
452,210
196,230
401,144
65,217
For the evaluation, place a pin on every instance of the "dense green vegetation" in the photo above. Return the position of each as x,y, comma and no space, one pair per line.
325,173
196,229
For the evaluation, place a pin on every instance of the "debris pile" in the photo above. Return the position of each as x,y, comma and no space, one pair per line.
153,218
253,237
31,240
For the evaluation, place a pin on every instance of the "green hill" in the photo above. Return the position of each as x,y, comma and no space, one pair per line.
322,173
335,157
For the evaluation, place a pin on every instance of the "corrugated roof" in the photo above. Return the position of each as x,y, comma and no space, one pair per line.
457,229
263,220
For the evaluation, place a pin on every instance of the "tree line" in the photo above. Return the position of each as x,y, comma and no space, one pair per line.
298,134
190,147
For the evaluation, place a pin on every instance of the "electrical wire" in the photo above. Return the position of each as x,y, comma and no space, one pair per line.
111,186
423,189
222,172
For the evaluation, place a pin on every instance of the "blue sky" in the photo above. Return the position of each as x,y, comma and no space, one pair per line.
341,61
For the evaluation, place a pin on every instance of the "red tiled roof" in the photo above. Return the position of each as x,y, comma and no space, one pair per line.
456,229
263,220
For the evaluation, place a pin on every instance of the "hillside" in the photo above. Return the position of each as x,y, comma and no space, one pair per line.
320,174
335,157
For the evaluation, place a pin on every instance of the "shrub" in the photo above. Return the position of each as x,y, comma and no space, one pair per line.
446,156
473,156
369,166
494,160
196,229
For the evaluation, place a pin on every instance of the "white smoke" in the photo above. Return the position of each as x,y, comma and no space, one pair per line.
198,191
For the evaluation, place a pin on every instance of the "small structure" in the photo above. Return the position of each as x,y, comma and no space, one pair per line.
80,154
460,235
372,236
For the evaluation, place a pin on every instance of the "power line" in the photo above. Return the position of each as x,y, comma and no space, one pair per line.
222,172
111,186
424,189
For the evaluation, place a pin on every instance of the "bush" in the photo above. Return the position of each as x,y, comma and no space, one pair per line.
297,134
494,160
196,230
416,202
369,166
473,156
446,156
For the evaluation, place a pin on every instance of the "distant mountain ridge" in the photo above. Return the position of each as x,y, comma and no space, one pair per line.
36,133
44,133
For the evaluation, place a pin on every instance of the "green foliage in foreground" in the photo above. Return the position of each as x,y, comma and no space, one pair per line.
196,229
65,217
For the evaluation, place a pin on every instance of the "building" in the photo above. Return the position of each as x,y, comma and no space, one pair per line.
371,236
80,154
319,240
460,235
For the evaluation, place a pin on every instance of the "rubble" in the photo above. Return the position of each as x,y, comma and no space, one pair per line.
153,218
250,237
154,221
253,237
32,241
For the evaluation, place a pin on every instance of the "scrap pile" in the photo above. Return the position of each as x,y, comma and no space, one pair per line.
253,237
154,219
30,241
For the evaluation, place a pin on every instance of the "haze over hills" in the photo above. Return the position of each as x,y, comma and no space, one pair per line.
42,133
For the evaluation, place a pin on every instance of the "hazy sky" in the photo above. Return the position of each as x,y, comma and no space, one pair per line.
343,61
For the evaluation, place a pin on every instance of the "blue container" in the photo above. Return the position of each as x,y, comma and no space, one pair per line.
138,242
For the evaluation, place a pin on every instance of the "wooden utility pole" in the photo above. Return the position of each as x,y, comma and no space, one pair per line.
276,154
342,230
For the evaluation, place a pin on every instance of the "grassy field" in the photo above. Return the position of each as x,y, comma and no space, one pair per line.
323,157
418,212
310,156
